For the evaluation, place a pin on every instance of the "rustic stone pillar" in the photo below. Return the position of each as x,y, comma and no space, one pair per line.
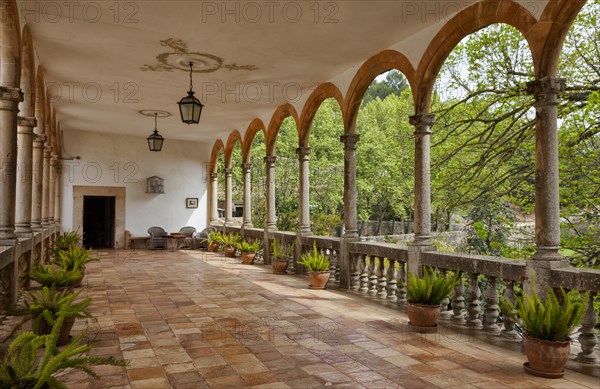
547,206
9,100
228,197
58,192
214,211
24,175
422,206
52,188
247,169
350,207
46,186
304,191
271,211
37,181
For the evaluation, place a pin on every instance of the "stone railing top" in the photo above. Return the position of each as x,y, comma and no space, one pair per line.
507,269
285,236
323,242
382,250
254,232
574,278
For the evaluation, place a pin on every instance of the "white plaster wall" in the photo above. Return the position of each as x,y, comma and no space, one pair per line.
125,161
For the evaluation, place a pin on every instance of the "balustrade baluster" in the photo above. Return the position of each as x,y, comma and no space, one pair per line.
492,308
474,305
587,335
458,303
402,284
445,314
509,324
364,276
382,282
373,276
337,268
355,260
392,282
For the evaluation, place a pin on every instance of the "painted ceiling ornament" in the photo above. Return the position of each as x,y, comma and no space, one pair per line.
180,58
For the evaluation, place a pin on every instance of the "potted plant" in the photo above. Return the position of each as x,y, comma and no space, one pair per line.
26,364
280,256
546,326
44,306
65,242
75,258
230,242
248,251
53,276
318,266
215,239
425,294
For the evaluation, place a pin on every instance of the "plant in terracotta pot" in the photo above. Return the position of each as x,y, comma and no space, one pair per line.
44,306
215,239
547,326
248,251
318,266
280,256
53,276
75,258
425,294
65,242
230,242
34,361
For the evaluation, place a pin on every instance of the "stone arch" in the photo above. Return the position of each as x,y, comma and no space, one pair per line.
281,113
28,82
469,20
370,69
550,33
214,155
40,104
255,126
234,137
321,93
10,45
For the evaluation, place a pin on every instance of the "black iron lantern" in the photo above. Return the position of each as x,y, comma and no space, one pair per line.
155,140
189,106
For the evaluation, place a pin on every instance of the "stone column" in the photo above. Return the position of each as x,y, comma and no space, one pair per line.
214,212
547,206
304,191
247,169
422,206
46,186
228,197
52,188
350,207
9,100
271,211
24,175
38,182
58,192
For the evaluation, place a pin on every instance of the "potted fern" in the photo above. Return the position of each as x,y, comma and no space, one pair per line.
65,242
215,239
34,361
318,266
230,242
425,294
248,251
44,306
547,326
280,256
53,276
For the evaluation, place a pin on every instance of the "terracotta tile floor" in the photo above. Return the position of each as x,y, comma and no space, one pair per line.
187,319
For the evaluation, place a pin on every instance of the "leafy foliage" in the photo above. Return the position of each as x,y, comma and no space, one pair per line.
53,276
66,242
314,260
74,258
248,247
215,237
432,288
549,320
281,250
232,239
48,304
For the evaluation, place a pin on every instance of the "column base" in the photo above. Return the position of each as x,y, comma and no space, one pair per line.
547,253
21,229
424,241
304,231
247,225
350,234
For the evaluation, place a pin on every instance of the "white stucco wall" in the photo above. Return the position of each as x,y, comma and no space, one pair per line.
125,161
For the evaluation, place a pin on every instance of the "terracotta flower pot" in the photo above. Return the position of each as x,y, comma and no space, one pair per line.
279,265
318,279
229,251
65,331
213,247
422,315
248,258
546,358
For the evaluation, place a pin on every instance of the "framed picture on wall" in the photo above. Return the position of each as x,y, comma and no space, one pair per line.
191,202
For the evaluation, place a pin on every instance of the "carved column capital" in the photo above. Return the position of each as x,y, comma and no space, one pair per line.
270,159
11,94
228,172
27,123
246,167
350,141
422,122
303,152
546,85
38,141
213,176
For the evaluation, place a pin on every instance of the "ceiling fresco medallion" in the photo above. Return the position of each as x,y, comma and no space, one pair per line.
180,57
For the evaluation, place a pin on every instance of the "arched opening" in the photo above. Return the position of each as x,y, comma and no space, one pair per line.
258,180
286,176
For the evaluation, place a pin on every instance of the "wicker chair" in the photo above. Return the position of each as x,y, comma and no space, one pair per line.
158,238
190,234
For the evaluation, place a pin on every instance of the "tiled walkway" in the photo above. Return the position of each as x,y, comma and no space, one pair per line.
190,320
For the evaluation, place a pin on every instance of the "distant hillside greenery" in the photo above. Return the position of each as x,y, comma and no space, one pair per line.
483,147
